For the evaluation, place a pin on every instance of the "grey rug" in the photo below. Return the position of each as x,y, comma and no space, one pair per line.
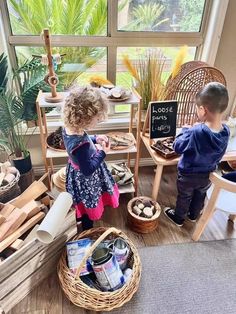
196,278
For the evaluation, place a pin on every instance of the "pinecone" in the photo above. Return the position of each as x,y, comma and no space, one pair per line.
57,139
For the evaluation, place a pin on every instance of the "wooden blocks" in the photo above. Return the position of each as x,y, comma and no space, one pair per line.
16,245
13,215
31,208
26,226
2,219
36,189
13,221
7,209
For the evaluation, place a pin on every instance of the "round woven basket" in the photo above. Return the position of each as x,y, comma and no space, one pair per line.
11,190
142,224
81,294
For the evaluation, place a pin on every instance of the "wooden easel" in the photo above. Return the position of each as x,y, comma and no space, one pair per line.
145,138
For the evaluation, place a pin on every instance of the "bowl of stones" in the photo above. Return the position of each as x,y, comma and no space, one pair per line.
143,214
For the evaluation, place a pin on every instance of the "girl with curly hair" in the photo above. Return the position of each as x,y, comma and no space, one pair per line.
88,180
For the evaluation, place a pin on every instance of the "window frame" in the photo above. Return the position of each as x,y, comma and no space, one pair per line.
116,38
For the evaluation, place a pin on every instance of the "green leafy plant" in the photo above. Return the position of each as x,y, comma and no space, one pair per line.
30,79
191,15
16,108
147,17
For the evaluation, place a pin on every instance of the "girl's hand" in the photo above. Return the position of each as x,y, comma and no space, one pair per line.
101,138
106,146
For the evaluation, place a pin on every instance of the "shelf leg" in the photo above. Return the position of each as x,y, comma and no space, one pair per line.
41,120
130,129
157,181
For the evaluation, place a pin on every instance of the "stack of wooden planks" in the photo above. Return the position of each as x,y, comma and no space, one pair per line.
21,215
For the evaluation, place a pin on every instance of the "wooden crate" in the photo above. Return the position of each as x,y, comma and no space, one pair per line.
32,263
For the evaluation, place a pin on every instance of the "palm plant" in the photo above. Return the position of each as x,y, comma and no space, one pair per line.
147,17
72,17
14,109
30,79
11,111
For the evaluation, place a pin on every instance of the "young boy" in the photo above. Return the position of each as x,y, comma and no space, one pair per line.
201,148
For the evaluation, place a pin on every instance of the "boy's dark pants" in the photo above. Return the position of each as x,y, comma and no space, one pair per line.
191,194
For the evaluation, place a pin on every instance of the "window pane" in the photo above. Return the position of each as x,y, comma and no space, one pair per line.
73,17
78,65
160,16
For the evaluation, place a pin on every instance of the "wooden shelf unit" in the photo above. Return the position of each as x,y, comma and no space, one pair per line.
49,154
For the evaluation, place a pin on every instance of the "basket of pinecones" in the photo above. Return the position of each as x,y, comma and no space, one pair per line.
55,140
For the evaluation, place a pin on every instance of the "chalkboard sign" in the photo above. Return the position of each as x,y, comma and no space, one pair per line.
163,118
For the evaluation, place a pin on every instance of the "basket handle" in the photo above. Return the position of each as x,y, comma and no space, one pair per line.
93,247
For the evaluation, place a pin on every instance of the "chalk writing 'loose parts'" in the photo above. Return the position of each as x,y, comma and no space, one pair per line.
162,109
163,118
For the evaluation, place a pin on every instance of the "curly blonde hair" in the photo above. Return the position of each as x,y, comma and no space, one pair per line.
82,105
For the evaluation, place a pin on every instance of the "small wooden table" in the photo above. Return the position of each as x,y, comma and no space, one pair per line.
162,162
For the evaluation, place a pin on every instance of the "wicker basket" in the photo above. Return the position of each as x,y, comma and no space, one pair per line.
82,295
11,190
141,224
191,78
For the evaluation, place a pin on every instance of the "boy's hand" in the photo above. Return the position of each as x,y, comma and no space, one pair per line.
101,138
186,126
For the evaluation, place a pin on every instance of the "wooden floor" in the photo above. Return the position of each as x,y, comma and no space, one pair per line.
48,298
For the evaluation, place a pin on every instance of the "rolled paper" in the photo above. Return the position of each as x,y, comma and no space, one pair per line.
55,218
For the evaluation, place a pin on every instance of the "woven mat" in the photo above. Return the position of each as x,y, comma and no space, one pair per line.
193,278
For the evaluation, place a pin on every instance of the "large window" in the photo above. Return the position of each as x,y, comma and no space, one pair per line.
94,34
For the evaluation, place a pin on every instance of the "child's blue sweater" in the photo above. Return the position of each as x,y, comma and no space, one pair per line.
201,148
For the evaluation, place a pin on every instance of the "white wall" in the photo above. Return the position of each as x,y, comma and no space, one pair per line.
226,54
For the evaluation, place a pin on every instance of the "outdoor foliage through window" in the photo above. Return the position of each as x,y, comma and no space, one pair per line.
162,16
72,17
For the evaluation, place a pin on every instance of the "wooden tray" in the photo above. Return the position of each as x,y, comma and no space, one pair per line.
125,137
164,149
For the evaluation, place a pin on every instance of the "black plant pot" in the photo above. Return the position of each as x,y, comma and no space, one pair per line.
23,164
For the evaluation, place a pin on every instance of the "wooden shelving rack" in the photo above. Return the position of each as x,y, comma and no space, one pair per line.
50,154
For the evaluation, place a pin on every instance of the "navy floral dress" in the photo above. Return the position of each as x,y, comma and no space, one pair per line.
87,178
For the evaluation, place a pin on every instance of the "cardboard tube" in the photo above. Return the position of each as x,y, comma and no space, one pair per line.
54,218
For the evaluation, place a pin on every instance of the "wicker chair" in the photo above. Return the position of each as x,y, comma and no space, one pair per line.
191,78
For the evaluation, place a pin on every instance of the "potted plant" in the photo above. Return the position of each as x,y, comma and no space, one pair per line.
147,72
149,76
17,108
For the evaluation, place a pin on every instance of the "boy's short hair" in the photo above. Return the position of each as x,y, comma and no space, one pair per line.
214,96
